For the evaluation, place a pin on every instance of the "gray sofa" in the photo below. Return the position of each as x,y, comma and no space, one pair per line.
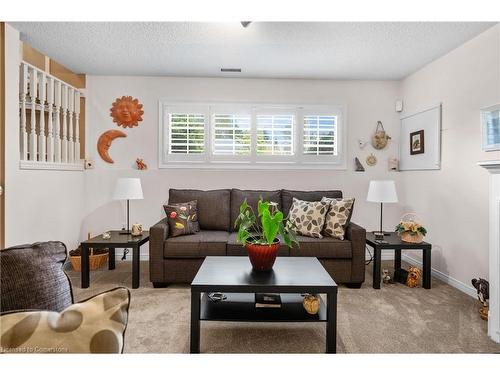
177,259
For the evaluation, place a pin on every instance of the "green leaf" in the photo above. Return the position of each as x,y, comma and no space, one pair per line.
287,234
262,207
244,206
270,226
242,235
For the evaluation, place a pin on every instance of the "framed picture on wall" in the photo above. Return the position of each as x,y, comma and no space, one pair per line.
490,123
420,140
417,145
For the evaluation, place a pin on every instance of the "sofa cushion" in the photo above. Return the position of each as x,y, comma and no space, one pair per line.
338,216
213,206
32,277
308,217
311,196
200,244
96,325
325,248
234,248
182,218
252,197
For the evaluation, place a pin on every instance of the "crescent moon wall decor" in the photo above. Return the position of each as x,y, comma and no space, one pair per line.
104,143
126,112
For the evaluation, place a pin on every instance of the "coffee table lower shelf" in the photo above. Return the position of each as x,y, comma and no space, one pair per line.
241,307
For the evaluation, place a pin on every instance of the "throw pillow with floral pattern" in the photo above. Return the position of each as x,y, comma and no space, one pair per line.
182,218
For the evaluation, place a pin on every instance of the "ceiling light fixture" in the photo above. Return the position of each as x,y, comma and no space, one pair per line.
245,23
230,70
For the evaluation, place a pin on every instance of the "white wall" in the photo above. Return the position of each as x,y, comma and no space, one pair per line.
39,205
366,103
453,201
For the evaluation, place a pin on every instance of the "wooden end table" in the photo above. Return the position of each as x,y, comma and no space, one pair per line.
393,242
117,240
234,277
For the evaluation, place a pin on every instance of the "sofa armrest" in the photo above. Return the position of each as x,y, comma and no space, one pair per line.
158,233
357,235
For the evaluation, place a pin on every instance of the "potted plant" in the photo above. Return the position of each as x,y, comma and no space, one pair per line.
410,230
261,241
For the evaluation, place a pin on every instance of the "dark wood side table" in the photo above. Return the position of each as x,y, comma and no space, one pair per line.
117,240
233,276
393,242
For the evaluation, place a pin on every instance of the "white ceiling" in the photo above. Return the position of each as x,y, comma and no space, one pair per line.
326,50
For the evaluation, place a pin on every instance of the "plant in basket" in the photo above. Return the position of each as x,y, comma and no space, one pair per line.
261,241
410,229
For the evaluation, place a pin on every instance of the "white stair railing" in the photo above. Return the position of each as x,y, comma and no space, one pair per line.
49,121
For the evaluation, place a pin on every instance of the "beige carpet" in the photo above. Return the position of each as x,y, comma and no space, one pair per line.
394,319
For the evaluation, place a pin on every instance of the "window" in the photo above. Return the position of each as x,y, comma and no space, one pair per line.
186,133
320,135
275,134
243,135
232,134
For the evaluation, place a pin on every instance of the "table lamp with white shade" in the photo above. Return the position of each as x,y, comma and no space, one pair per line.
128,188
382,191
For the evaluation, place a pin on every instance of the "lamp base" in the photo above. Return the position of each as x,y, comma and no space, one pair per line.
124,232
379,235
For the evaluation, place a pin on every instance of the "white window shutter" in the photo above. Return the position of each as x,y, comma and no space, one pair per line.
232,134
275,134
320,134
186,133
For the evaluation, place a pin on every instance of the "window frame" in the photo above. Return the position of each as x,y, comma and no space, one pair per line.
207,160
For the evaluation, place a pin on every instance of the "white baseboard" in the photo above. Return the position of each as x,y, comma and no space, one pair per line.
469,290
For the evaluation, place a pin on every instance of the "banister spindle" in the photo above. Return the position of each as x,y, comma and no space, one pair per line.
57,135
41,138
50,126
71,140
77,125
23,92
64,105
33,141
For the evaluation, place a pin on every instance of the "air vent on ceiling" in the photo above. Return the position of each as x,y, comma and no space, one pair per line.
230,70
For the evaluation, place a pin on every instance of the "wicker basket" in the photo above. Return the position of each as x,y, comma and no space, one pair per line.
409,236
412,238
95,261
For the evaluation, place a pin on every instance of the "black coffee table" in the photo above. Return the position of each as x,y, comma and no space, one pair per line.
234,277
117,240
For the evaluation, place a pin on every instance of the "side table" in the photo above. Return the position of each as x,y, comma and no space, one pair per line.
117,240
393,242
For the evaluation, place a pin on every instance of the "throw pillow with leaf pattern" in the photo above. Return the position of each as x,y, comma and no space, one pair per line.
338,216
308,217
182,218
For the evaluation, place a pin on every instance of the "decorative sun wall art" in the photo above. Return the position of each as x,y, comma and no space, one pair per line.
126,111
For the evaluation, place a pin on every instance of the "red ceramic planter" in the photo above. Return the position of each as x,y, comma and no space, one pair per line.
262,257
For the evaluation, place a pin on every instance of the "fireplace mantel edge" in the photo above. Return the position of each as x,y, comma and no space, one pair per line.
491,165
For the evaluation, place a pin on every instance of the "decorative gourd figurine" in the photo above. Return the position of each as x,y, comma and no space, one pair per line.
311,303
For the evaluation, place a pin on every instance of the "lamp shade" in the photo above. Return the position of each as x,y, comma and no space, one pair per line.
383,191
128,188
